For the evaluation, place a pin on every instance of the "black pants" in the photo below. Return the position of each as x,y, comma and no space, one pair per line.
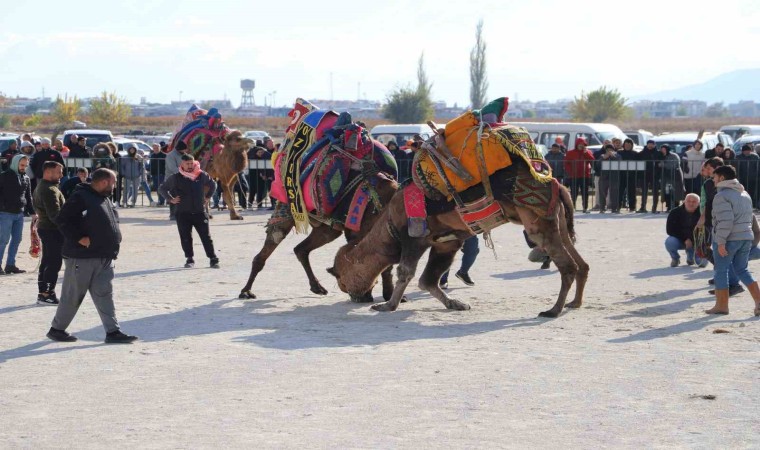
52,260
185,224
650,182
627,189
576,184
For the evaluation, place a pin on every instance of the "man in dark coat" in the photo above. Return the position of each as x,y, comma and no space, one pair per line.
680,229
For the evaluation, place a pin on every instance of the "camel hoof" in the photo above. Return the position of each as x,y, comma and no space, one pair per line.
573,305
366,298
318,289
456,305
403,299
236,217
247,295
384,307
550,314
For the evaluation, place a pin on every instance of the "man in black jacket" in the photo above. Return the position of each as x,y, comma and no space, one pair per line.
680,229
649,179
90,226
15,202
190,189
47,153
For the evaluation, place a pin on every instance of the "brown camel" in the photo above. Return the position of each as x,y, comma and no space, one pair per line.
358,263
321,234
226,166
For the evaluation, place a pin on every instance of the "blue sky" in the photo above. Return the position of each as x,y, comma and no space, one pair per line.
537,49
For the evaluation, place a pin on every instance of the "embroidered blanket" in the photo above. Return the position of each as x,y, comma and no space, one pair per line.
202,131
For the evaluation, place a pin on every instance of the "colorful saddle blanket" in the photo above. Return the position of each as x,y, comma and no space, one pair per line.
500,142
327,159
202,131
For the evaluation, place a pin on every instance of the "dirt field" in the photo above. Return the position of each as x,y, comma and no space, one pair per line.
636,367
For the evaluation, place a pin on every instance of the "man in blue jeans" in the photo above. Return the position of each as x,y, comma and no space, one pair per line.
680,229
470,250
732,238
15,201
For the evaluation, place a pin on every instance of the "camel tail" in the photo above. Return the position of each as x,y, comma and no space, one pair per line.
569,211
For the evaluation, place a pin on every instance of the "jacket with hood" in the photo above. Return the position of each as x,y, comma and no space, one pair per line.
15,190
131,167
731,213
693,160
578,162
747,168
89,214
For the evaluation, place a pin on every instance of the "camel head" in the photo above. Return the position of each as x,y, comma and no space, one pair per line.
350,280
235,141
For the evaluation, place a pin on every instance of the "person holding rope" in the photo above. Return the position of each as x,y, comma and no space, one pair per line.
48,201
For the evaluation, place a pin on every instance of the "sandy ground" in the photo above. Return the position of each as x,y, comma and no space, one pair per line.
295,370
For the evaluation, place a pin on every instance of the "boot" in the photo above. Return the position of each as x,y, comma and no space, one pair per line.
754,289
721,302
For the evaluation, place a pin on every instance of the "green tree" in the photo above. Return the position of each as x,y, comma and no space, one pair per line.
65,110
5,121
599,105
33,120
478,77
109,109
407,105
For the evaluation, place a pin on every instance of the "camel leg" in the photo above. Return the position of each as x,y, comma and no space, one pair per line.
551,241
318,237
583,268
387,277
410,257
275,235
439,261
229,197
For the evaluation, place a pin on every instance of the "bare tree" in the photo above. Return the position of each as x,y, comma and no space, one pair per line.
478,77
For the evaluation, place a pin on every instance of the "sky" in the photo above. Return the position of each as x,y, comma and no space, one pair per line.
167,50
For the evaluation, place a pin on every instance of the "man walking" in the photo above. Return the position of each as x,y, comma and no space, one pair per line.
190,190
48,201
90,226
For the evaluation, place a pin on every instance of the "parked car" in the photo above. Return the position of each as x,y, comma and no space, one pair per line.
678,141
544,134
143,149
751,140
400,133
93,137
639,137
737,131
256,135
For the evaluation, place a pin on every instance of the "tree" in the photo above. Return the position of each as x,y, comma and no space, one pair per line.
32,121
716,110
407,105
109,109
66,110
599,105
478,77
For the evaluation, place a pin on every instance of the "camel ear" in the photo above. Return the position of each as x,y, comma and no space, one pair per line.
331,271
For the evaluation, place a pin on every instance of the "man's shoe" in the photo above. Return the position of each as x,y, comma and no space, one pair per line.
153,204
2,272
117,337
47,300
675,262
60,335
189,264
465,278
689,262
214,263
13,269
732,290
642,210
711,281
546,264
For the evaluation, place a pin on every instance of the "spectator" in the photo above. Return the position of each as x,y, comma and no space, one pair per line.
15,202
680,229
91,239
48,201
649,180
717,151
131,169
597,171
7,155
627,186
561,142
748,169
68,186
47,153
729,157
609,181
556,160
58,145
144,176
578,171
403,160
672,177
694,158
78,147
190,190
158,170
258,185
732,238
470,252
173,160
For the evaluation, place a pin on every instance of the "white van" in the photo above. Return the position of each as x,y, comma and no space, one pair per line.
545,134
400,133
93,137
737,131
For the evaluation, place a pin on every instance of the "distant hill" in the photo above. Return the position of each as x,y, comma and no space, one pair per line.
729,88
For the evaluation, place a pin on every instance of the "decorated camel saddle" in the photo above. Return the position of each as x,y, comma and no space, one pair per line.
327,168
476,157
203,132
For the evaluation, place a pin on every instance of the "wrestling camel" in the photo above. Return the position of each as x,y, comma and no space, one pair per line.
227,164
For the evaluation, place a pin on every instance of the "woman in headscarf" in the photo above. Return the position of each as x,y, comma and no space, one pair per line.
15,202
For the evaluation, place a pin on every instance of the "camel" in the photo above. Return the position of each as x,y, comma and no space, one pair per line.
320,235
358,263
226,166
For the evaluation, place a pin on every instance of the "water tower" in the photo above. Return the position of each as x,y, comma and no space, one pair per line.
246,102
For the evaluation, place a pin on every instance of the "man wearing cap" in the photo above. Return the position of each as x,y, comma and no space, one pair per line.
46,153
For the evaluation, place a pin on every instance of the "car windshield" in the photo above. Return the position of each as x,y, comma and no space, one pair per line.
737,147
